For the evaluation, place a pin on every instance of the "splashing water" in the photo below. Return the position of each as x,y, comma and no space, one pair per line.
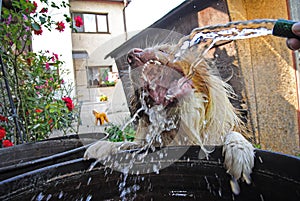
203,38
206,37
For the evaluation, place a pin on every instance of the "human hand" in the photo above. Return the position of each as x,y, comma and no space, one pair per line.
293,43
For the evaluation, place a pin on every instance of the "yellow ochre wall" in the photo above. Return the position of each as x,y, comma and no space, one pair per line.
270,79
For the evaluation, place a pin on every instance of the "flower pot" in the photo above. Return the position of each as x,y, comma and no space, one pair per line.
275,177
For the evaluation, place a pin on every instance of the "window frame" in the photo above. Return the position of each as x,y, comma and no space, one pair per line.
74,13
98,70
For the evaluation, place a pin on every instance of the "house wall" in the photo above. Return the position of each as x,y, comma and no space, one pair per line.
59,43
270,78
97,45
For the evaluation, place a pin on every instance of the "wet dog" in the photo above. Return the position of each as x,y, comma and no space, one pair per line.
185,103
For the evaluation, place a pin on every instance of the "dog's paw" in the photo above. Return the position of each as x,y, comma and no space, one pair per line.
103,149
239,159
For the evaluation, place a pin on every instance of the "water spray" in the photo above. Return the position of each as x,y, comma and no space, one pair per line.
205,38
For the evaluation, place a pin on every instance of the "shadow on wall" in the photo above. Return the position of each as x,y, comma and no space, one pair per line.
279,135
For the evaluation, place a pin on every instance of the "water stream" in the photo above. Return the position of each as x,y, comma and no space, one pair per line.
206,37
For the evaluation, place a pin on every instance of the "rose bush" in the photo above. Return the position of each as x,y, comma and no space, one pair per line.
35,101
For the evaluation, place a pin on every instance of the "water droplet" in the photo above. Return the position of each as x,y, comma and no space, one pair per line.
89,180
89,197
260,159
155,169
78,186
60,195
161,155
49,197
40,196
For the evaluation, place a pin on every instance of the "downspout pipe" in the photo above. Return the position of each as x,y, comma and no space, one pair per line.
126,2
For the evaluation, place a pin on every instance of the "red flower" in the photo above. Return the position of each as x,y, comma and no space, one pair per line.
38,110
3,118
38,32
69,103
34,7
60,26
2,133
44,10
28,60
55,57
7,143
47,65
78,21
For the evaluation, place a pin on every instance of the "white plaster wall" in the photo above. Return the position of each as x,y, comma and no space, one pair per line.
100,44
57,42
97,45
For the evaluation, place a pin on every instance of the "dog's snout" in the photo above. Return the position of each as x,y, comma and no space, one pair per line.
134,57
136,50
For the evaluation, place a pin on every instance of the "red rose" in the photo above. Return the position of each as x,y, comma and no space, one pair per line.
3,118
69,103
2,133
78,21
38,110
60,26
7,143
44,10
38,32
28,60
34,7
55,57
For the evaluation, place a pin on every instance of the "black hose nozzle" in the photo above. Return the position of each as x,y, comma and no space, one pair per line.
283,28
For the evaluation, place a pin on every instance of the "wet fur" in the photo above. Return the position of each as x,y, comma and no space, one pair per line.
205,117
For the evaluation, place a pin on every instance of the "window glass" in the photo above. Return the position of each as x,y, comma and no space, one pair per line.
89,23
92,23
102,23
99,76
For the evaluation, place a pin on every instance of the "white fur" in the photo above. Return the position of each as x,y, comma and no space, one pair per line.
206,118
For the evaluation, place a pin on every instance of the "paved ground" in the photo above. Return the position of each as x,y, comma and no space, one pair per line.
116,109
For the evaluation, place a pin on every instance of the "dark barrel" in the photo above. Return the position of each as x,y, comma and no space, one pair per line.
275,177
26,157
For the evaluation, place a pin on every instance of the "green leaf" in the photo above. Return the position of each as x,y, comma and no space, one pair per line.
42,19
53,5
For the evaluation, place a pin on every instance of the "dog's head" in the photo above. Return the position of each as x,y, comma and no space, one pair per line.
166,77
95,112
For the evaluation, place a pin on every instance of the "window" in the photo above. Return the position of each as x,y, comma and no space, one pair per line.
92,23
100,76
